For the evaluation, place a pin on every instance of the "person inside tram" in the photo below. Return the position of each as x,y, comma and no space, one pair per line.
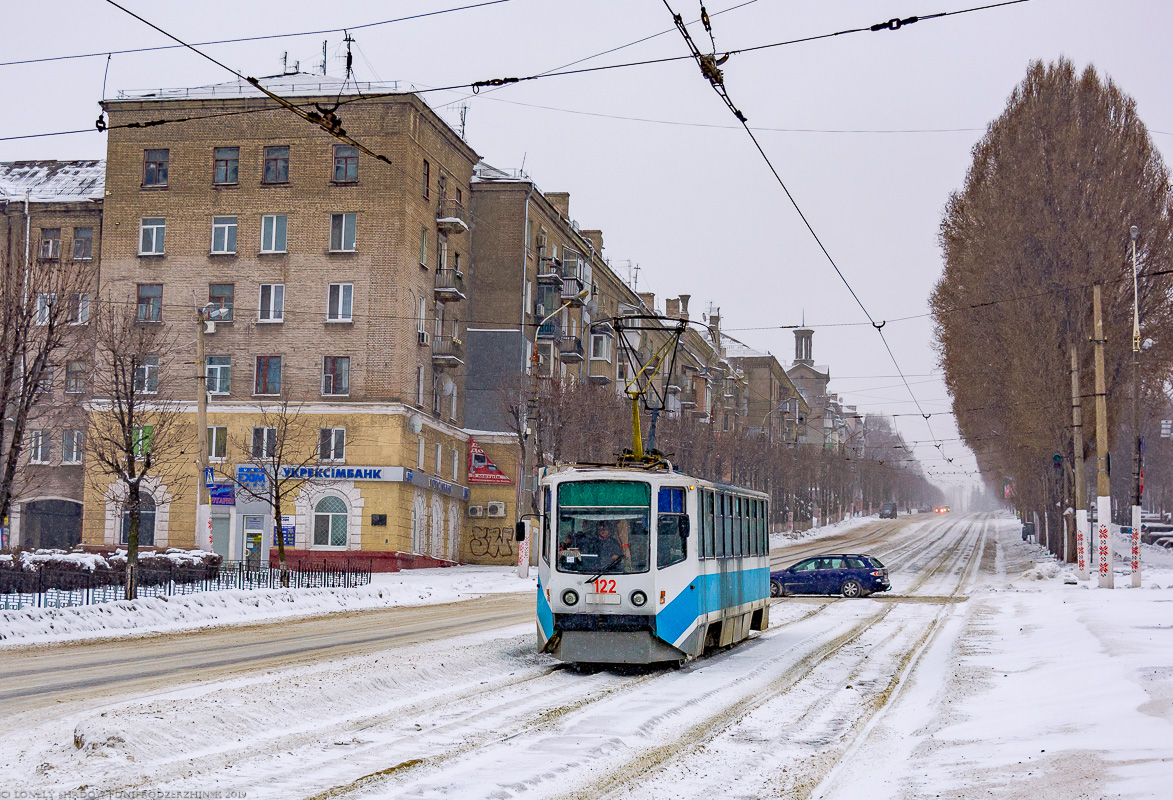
607,546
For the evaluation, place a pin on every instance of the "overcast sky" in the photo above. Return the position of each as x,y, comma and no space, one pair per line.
651,156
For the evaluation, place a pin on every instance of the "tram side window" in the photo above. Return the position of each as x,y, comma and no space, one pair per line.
763,529
727,528
546,523
671,527
719,531
736,525
745,519
756,530
710,525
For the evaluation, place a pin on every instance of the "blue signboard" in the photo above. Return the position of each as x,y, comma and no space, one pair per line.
251,476
209,477
287,530
223,494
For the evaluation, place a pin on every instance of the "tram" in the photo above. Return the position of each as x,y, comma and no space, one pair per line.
644,564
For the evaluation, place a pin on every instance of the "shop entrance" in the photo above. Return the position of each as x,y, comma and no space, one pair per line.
221,526
254,531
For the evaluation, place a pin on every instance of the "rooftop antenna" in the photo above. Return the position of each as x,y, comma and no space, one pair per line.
463,117
635,279
324,56
349,56
285,63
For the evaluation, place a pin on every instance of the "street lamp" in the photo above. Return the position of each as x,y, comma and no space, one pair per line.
206,318
1136,465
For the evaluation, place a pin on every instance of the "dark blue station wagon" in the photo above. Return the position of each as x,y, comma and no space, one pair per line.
851,575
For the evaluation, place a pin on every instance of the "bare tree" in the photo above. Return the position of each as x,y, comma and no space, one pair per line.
39,298
137,435
280,449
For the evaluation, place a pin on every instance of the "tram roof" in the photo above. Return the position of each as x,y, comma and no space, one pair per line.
633,473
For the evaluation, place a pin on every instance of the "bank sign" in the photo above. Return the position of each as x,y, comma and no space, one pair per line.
329,473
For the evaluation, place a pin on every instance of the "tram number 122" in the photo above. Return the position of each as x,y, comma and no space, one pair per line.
604,586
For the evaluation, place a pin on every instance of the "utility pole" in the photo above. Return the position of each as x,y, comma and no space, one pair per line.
1134,539
1103,487
203,500
1081,529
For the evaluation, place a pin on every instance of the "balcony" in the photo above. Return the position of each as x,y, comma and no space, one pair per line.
601,372
447,351
550,329
449,285
570,349
550,270
451,217
687,398
572,284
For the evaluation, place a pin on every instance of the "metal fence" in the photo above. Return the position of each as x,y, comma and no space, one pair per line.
47,587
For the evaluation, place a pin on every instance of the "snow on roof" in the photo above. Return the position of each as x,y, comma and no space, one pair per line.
53,181
484,171
738,349
292,85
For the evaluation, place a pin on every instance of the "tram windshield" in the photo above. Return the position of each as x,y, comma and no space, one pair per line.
603,527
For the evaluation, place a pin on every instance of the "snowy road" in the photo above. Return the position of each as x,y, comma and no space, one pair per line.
838,697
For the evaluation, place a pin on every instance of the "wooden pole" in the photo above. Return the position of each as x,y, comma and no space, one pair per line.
1103,486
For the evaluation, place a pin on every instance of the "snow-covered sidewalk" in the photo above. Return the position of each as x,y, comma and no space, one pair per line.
237,606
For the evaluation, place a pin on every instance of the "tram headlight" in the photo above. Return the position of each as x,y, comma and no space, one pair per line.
570,597
638,598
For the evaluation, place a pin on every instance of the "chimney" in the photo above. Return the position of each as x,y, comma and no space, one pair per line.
715,328
560,201
684,298
595,238
649,300
802,346
672,307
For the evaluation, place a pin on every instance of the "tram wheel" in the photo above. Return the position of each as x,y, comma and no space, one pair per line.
851,588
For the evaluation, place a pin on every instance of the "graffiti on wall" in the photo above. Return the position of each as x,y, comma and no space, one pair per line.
491,542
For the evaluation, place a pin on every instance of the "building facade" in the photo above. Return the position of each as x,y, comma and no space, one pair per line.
338,283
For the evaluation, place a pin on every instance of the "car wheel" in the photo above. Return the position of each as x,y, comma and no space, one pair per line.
775,589
851,588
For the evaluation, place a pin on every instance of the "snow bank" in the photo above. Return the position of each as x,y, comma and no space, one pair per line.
239,606
842,526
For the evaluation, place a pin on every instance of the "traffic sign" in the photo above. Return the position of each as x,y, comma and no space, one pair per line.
209,477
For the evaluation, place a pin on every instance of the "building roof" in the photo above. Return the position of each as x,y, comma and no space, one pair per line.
484,171
297,84
53,181
738,349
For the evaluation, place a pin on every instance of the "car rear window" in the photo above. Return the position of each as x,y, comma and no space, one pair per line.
875,562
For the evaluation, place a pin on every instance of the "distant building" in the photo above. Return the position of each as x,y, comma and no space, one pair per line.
811,383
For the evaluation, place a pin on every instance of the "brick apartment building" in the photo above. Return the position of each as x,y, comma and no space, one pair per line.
342,282
52,221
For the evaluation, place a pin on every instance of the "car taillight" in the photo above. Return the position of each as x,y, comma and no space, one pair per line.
877,574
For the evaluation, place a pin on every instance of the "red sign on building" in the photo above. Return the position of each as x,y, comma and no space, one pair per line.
481,468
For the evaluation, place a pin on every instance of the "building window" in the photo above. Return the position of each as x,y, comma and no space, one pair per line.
221,296
455,463
423,247
336,375
452,405
75,377
339,307
146,376
268,378
264,442
439,457
330,522
276,165
219,371
419,386
227,165
155,167
272,306
217,442
39,448
342,233
50,243
427,179
150,302
45,382
345,163
441,251
146,523
71,447
331,444
224,235
45,303
140,439
79,308
153,231
273,233
419,453
83,244
600,347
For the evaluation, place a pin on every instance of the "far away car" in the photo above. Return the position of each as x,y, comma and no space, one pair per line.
942,509
888,511
852,575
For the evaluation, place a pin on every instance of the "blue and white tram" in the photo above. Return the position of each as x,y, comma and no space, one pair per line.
639,566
